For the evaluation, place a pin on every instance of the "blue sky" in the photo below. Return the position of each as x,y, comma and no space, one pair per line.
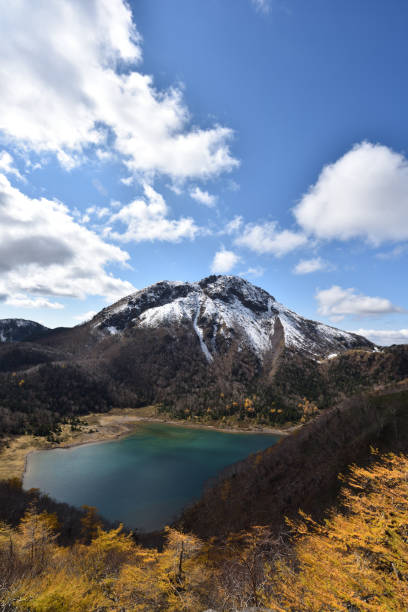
157,140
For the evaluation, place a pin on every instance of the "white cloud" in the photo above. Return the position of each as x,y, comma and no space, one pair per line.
232,185
69,80
224,261
127,180
104,156
307,266
7,165
234,225
336,303
147,219
395,253
86,316
264,6
23,301
363,194
98,211
45,252
203,197
268,238
385,337
254,272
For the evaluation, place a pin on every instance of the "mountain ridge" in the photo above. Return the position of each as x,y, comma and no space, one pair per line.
221,309
20,330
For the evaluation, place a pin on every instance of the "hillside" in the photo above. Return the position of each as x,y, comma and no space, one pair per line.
356,560
301,471
20,330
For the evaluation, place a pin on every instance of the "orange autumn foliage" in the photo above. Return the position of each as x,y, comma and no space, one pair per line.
356,560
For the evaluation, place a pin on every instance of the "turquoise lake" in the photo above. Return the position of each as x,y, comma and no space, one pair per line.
143,480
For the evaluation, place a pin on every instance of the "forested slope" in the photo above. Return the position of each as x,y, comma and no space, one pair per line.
357,560
301,471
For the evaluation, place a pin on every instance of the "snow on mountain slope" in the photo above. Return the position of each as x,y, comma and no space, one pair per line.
19,330
223,309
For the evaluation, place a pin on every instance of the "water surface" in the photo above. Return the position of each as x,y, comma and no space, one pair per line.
143,480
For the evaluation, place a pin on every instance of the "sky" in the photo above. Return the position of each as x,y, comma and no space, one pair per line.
150,140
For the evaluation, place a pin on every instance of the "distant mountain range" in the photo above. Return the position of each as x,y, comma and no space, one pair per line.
221,310
218,348
20,330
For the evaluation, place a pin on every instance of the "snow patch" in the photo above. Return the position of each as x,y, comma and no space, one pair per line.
199,333
231,307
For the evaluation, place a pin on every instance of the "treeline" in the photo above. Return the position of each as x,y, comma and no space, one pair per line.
37,401
290,390
44,385
356,560
15,502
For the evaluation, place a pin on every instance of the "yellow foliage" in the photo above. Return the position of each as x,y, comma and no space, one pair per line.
356,560
60,591
257,459
248,403
309,409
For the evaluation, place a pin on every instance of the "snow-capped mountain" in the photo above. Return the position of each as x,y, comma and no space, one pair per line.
20,330
222,310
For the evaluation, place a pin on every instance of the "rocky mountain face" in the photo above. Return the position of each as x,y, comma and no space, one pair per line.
20,330
223,310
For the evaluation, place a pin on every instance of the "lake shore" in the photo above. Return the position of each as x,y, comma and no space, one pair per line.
104,427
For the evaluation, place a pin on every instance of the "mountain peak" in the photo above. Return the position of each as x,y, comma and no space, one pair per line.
20,330
222,309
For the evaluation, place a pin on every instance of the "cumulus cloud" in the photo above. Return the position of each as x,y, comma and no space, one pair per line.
307,266
363,194
97,211
224,261
147,219
127,180
7,165
23,301
69,81
385,337
336,303
268,238
45,252
234,225
203,197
